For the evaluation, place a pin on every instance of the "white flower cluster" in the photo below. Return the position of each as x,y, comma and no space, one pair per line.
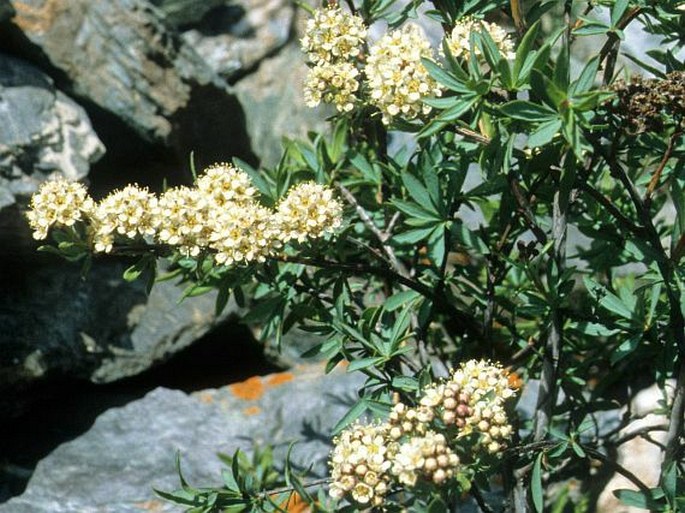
220,215
397,79
360,464
333,41
422,444
58,203
459,40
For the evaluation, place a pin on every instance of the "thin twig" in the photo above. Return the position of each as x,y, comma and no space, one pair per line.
471,134
656,177
289,489
609,51
463,320
600,198
547,394
480,500
371,226
638,433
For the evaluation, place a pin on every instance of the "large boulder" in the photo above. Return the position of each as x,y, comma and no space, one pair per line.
234,37
57,324
121,56
43,132
114,467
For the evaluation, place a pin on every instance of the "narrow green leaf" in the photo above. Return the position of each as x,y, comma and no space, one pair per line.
353,414
617,11
544,133
528,111
459,109
418,191
587,77
450,81
536,484
524,48
400,299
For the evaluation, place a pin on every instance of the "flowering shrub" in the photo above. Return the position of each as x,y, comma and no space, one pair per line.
535,218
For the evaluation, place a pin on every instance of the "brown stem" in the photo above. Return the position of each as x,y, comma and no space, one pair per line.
547,394
656,177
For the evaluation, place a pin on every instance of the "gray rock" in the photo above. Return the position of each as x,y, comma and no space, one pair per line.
54,323
43,132
130,450
120,55
276,106
235,38
6,10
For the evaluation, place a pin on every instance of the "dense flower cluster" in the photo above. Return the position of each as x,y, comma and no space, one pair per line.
333,41
428,457
459,40
308,211
360,464
397,79
336,84
58,203
128,213
220,215
422,444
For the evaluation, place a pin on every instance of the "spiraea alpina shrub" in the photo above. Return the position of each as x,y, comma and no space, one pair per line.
502,182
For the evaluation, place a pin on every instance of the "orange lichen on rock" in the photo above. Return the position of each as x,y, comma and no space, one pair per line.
206,397
250,389
252,410
153,506
36,19
278,379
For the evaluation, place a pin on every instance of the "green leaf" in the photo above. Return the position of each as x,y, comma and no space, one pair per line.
587,77
364,363
636,498
544,133
524,49
353,414
591,29
528,111
412,236
450,81
458,109
368,171
437,505
536,484
626,348
418,192
256,177
412,209
406,383
618,11
400,299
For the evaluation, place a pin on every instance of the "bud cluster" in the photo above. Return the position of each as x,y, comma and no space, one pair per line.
428,457
422,444
220,215
396,81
